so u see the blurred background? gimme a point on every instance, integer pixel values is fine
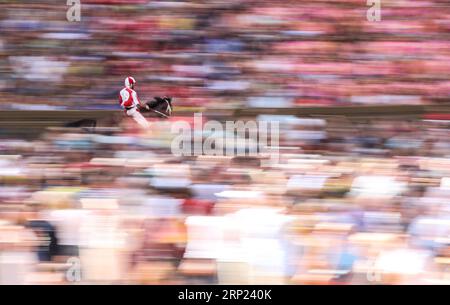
(361, 191)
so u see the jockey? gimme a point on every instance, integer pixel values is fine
(130, 102)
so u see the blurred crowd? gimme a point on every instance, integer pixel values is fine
(361, 201)
(224, 53)
(348, 202)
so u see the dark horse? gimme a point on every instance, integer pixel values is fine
(160, 106)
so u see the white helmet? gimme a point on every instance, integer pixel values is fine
(129, 81)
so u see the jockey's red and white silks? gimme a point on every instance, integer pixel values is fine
(128, 98)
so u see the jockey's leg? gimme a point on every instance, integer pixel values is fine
(139, 118)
